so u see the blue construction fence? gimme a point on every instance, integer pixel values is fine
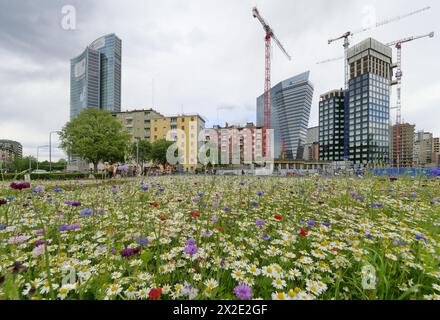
(412, 172)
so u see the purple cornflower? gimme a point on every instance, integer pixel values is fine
(3, 226)
(214, 219)
(242, 184)
(360, 198)
(143, 241)
(40, 242)
(38, 189)
(259, 222)
(260, 193)
(243, 292)
(203, 205)
(128, 252)
(191, 249)
(200, 194)
(57, 190)
(265, 237)
(377, 205)
(3, 202)
(327, 224)
(226, 209)
(112, 250)
(190, 242)
(196, 200)
(39, 232)
(353, 194)
(419, 236)
(413, 195)
(86, 212)
(254, 203)
(312, 223)
(368, 235)
(145, 188)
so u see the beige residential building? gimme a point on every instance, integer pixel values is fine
(184, 130)
(138, 122)
(423, 146)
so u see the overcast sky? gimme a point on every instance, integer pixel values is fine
(205, 56)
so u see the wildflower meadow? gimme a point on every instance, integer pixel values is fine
(212, 237)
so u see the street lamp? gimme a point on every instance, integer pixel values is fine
(50, 149)
(38, 151)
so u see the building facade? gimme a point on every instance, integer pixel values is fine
(436, 152)
(239, 145)
(423, 146)
(95, 76)
(406, 145)
(311, 147)
(10, 151)
(184, 130)
(332, 126)
(367, 112)
(138, 123)
(291, 101)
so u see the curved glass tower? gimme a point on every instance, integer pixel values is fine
(95, 76)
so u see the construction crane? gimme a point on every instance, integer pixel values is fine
(267, 70)
(349, 34)
(398, 82)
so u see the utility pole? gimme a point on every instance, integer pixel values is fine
(50, 149)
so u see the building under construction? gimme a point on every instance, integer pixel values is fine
(406, 145)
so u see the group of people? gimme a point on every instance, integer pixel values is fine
(123, 170)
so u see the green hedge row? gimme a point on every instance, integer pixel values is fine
(53, 176)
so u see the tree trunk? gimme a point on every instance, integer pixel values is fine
(95, 166)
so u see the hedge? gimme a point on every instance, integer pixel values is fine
(54, 176)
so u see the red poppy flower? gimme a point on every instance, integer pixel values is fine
(278, 217)
(154, 204)
(155, 294)
(194, 214)
(163, 218)
(219, 228)
(303, 232)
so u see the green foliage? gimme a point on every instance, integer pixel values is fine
(159, 151)
(144, 151)
(54, 176)
(95, 135)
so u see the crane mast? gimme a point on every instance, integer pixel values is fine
(398, 82)
(267, 70)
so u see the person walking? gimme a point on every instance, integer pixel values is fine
(110, 170)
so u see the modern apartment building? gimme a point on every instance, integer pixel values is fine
(291, 101)
(368, 110)
(406, 145)
(95, 76)
(184, 130)
(332, 126)
(10, 151)
(138, 122)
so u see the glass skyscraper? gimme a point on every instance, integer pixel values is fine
(291, 101)
(367, 111)
(95, 76)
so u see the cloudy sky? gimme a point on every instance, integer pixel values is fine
(205, 56)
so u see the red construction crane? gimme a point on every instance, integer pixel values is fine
(349, 34)
(267, 86)
(269, 35)
(398, 82)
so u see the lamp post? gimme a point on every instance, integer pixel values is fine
(38, 152)
(50, 149)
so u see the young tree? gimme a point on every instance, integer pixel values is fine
(159, 151)
(144, 151)
(95, 135)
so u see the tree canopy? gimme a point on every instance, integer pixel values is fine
(159, 151)
(95, 135)
(144, 151)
